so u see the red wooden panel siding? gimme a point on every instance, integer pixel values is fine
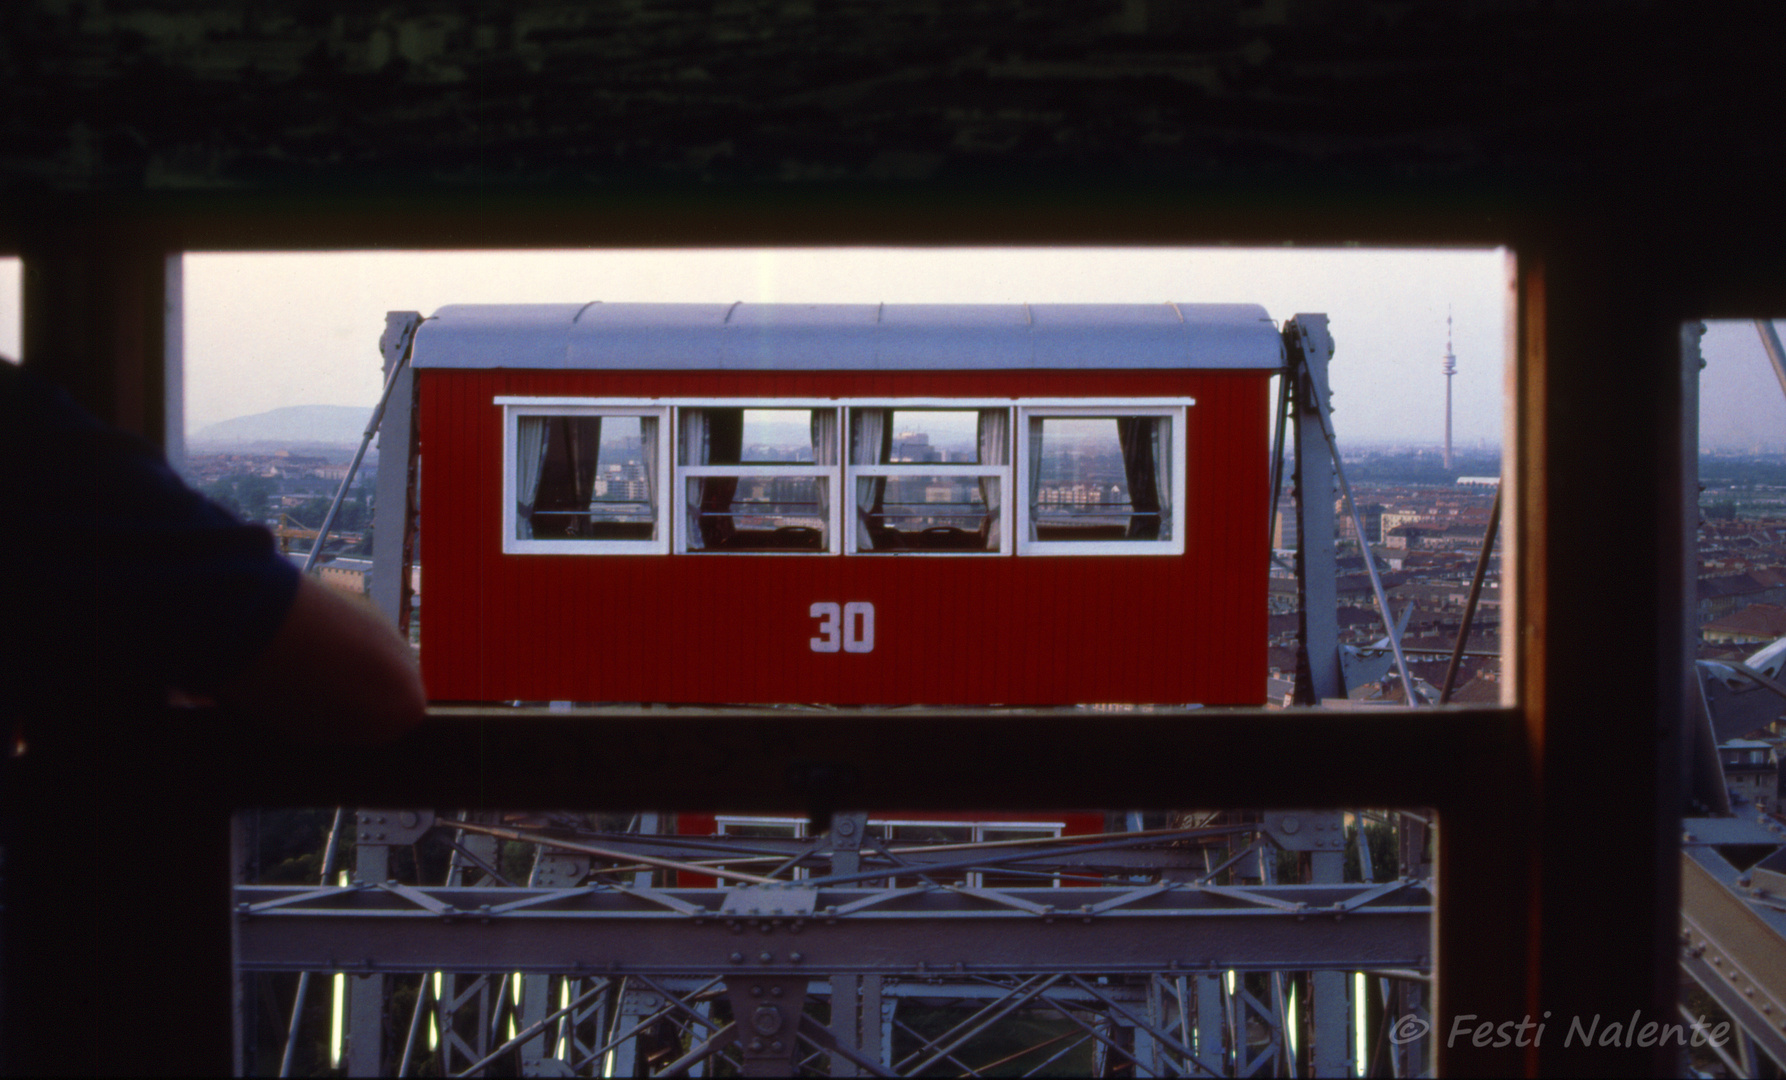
(949, 631)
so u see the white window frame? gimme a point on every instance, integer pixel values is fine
(684, 473)
(879, 827)
(513, 408)
(976, 834)
(796, 830)
(1003, 473)
(1014, 516)
(1174, 408)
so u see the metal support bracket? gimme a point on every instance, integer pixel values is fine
(396, 827)
(394, 508)
(1306, 830)
(1309, 346)
(767, 1010)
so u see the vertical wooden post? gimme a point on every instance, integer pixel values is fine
(1605, 699)
(116, 883)
(97, 305)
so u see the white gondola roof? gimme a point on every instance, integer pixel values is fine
(845, 337)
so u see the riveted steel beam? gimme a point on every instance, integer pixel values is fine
(1733, 944)
(837, 931)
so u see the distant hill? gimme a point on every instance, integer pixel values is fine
(294, 425)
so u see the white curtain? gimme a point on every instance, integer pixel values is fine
(648, 454)
(995, 439)
(696, 449)
(530, 460)
(867, 438)
(824, 452)
(1035, 473)
(1162, 472)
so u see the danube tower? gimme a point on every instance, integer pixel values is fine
(1450, 370)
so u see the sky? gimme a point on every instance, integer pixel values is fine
(269, 330)
(1741, 404)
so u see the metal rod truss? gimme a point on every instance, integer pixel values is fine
(1153, 952)
(790, 929)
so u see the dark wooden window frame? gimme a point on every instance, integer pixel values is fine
(1558, 858)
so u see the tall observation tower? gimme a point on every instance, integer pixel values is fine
(1450, 369)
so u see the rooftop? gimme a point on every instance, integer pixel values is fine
(885, 337)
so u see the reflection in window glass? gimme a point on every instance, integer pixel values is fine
(774, 436)
(935, 513)
(735, 504)
(758, 436)
(758, 513)
(902, 506)
(1106, 478)
(586, 478)
(590, 477)
(943, 435)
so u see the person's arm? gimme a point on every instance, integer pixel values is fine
(121, 587)
(333, 672)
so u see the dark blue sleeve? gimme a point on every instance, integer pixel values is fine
(117, 576)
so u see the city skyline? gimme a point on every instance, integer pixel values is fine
(1387, 307)
(264, 331)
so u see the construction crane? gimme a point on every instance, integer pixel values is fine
(290, 529)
